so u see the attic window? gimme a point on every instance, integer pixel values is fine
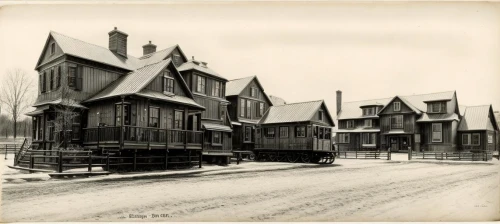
(321, 115)
(397, 106)
(168, 82)
(52, 48)
(177, 59)
(253, 92)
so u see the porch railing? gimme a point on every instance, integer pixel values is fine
(303, 143)
(136, 134)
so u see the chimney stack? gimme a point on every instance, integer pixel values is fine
(148, 48)
(118, 42)
(339, 101)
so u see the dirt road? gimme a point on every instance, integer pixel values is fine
(349, 190)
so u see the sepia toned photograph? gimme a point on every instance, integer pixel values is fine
(249, 111)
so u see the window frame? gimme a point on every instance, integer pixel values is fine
(150, 117)
(283, 133)
(478, 139)
(298, 130)
(248, 109)
(400, 124)
(370, 121)
(58, 76)
(351, 122)
(51, 79)
(52, 48)
(243, 110)
(214, 134)
(468, 137)
(127, 108)
(248, 130)
(342, 138)
(216, 88)
(168, 82)
(201, 84)
(321, 115)
(44, 82)
(440, 125)
(398, 108)
(72, 78)
(178, 122)
(267, 132)
(261, 109)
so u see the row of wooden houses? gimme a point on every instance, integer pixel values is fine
(104, 99)
(162, 102)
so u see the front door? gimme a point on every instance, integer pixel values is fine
(394, 144)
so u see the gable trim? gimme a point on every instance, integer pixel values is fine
(408, 104)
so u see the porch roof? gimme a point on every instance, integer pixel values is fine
(174, 98)
(37, 111)
(358, 130)
(217, 127)
(438, 117)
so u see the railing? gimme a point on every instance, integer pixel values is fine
(296, 144)
(144, 135)
(364, 155)
(22, 150)
(461, 156)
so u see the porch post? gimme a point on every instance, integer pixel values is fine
(43, 130)
(122, 122)
(147, 125)
(186, 116)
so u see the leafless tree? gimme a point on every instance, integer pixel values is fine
(65, 115)
(15, 95)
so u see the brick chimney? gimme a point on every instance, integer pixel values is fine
(118, 42)
(339, 101)
(148, 48)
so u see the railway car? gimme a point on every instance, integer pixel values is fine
(298, 132)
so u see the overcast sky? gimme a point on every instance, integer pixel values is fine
(299, 51)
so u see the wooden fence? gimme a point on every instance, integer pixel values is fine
(9, 149)
(66, 160)
(363, 155)
(460, 156)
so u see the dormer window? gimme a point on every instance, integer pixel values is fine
(436, 107)
(368, 123)
(350, 124)
(168, 82)
(397, 106)
(369, 111)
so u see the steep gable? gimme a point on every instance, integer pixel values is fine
(405, 107)
(242, 86)
(47, 55)
(296, 112)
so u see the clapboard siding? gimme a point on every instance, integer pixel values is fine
(212, 108)
(106, 112)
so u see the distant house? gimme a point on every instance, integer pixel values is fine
(158, 102)
(426, 122)
(249, 102)
(277, 100)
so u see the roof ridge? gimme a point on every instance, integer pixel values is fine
(427, 93)
(242, 78)
(150, 65)
(85, 42)
(150, 54)
(313, 101)
(399, 96)
(485, 105)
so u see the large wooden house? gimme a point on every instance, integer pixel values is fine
(158, 102)
(426, 122)
(249, 102)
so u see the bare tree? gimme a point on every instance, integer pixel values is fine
(15, 95)
(65, 115)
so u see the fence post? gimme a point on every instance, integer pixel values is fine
(200, 159)
(107, 162)
(90, 163)
(6, 151)
(32, 161)
(135, 159)
(98, 135)
(189, 155)
(60, 166)
(166, 159)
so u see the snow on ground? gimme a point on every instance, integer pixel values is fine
(348, 190)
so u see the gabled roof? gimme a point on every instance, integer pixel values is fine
(478, 118)
(196, 65)
(351, 110)
(408, 104)
(236, 86)
(277, 100)
(81, 49)
(294, 112)
(158, 56)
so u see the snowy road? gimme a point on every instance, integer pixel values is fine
(349, 190)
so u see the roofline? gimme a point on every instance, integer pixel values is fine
(400, 96)
(204, 73)
(404, 101)
(298, 103)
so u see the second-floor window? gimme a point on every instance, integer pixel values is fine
(368, 123)
(397, 121)
(261, 109)
(437, 132)
(320, 115)
(58, 77)
(200, 87)
(242, 107)
(168, 82)
(44, 82)
(249, 109)
(154, 116)
(178, 119)
(369, 111)
(350, 124)
(51, 81)
(75, 80)
(216, 89)
(397, 106)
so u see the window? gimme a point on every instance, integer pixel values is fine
(44, 82)
(154, 116)
(253, 92)
(51, 130)
(490, 139)
(201, 84)
(248, 134)
(437, 133)
(350, 124)
(261, 109)
(368, 123)
(369, 138)
(283, 132)
(397, 106)
(476, 139)
(368, 111)
(269, 132)
(168, 82)
(242, 107)
(72, 77)
(465, 139)
(178, 119)
(52, 48)
(249, 109)
(216, 137)
(51, 79)
(328, 134)
(300, 131)
(344, 138)
(437, 107)
(177, 59)
(320, 115)
(397, 121)
(58, 77)
(320, 131)
(216, 89)
(118, 114)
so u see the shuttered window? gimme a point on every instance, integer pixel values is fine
(437, 132)
(72, 77)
